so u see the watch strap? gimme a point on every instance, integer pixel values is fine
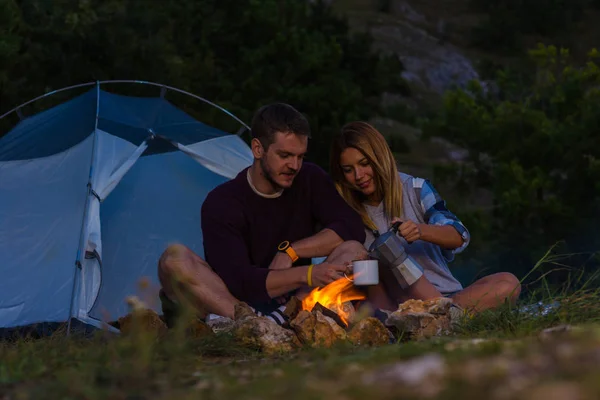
(287, 248)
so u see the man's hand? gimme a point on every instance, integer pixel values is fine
(409, 230)
(281, 261)
(325, 273)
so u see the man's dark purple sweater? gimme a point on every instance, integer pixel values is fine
(242, 229)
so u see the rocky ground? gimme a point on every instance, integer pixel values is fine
(559, 364)
(547, 351)
(432, 40)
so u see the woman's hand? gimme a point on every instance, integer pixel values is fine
(409, 230)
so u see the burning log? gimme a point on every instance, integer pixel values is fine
(337, 297)
(346, 309)
(329, 313)
(292, 308)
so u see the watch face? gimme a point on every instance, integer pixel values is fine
(284, 245)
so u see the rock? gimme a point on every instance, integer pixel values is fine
(261, 332)
(316, 329)
(423, 373)
(197, 329)
(327, 331)
(467, 344)
(419, 325)
(304, 326)
(192, 326)
(250, 330)
(142, 320)
(369, 332)
(438, 305)
(243, 311)
(422, 319)
(431, 63)
(264, 334)
(557, 391)
(555, 331)
(404, 9)
(221, 324)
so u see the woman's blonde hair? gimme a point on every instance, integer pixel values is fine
(371, 143)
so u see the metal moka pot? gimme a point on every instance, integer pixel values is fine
(389, 250)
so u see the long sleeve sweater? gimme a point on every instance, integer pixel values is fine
(242, 229)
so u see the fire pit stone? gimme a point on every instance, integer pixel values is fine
(261, 332)
(369, 332)
(422, 319)
(316, 329)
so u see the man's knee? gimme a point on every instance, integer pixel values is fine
(172, 260)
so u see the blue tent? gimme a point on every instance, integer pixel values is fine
(91, 192)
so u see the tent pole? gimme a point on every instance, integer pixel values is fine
(184, 92)
(163, 88)
(85, 209)
(46, 95)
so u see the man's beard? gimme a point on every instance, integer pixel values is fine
(268, 175)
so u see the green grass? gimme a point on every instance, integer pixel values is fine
(512, 358)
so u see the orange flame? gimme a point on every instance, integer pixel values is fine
(333, 296)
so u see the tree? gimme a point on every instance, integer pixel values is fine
(506, 22)
(238, 53)
(537, 149)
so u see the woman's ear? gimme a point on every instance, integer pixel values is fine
(257, 148)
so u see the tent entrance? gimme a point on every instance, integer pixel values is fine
(155, 204)
(93, 190)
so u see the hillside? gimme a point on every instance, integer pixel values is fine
(436, 42)
(430, 39)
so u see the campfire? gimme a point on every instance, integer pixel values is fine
(323, 318)
(327, 316)
(336, 297)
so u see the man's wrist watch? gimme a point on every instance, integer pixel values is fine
(287, 248)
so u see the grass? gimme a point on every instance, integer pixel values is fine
(494, 354)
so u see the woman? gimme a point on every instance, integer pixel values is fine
(365, 173)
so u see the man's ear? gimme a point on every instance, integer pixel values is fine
(257, 148)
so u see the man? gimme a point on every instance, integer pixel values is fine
(261, 228)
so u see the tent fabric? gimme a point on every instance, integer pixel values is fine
(51, 131)
(41, 211)
(130, 118)
(221, 155)
(113, 158)
(88, 204)
(157, 203)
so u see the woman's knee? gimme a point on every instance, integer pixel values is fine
(354, 248)
(508, 285)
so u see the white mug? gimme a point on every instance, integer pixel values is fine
(365, 272)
